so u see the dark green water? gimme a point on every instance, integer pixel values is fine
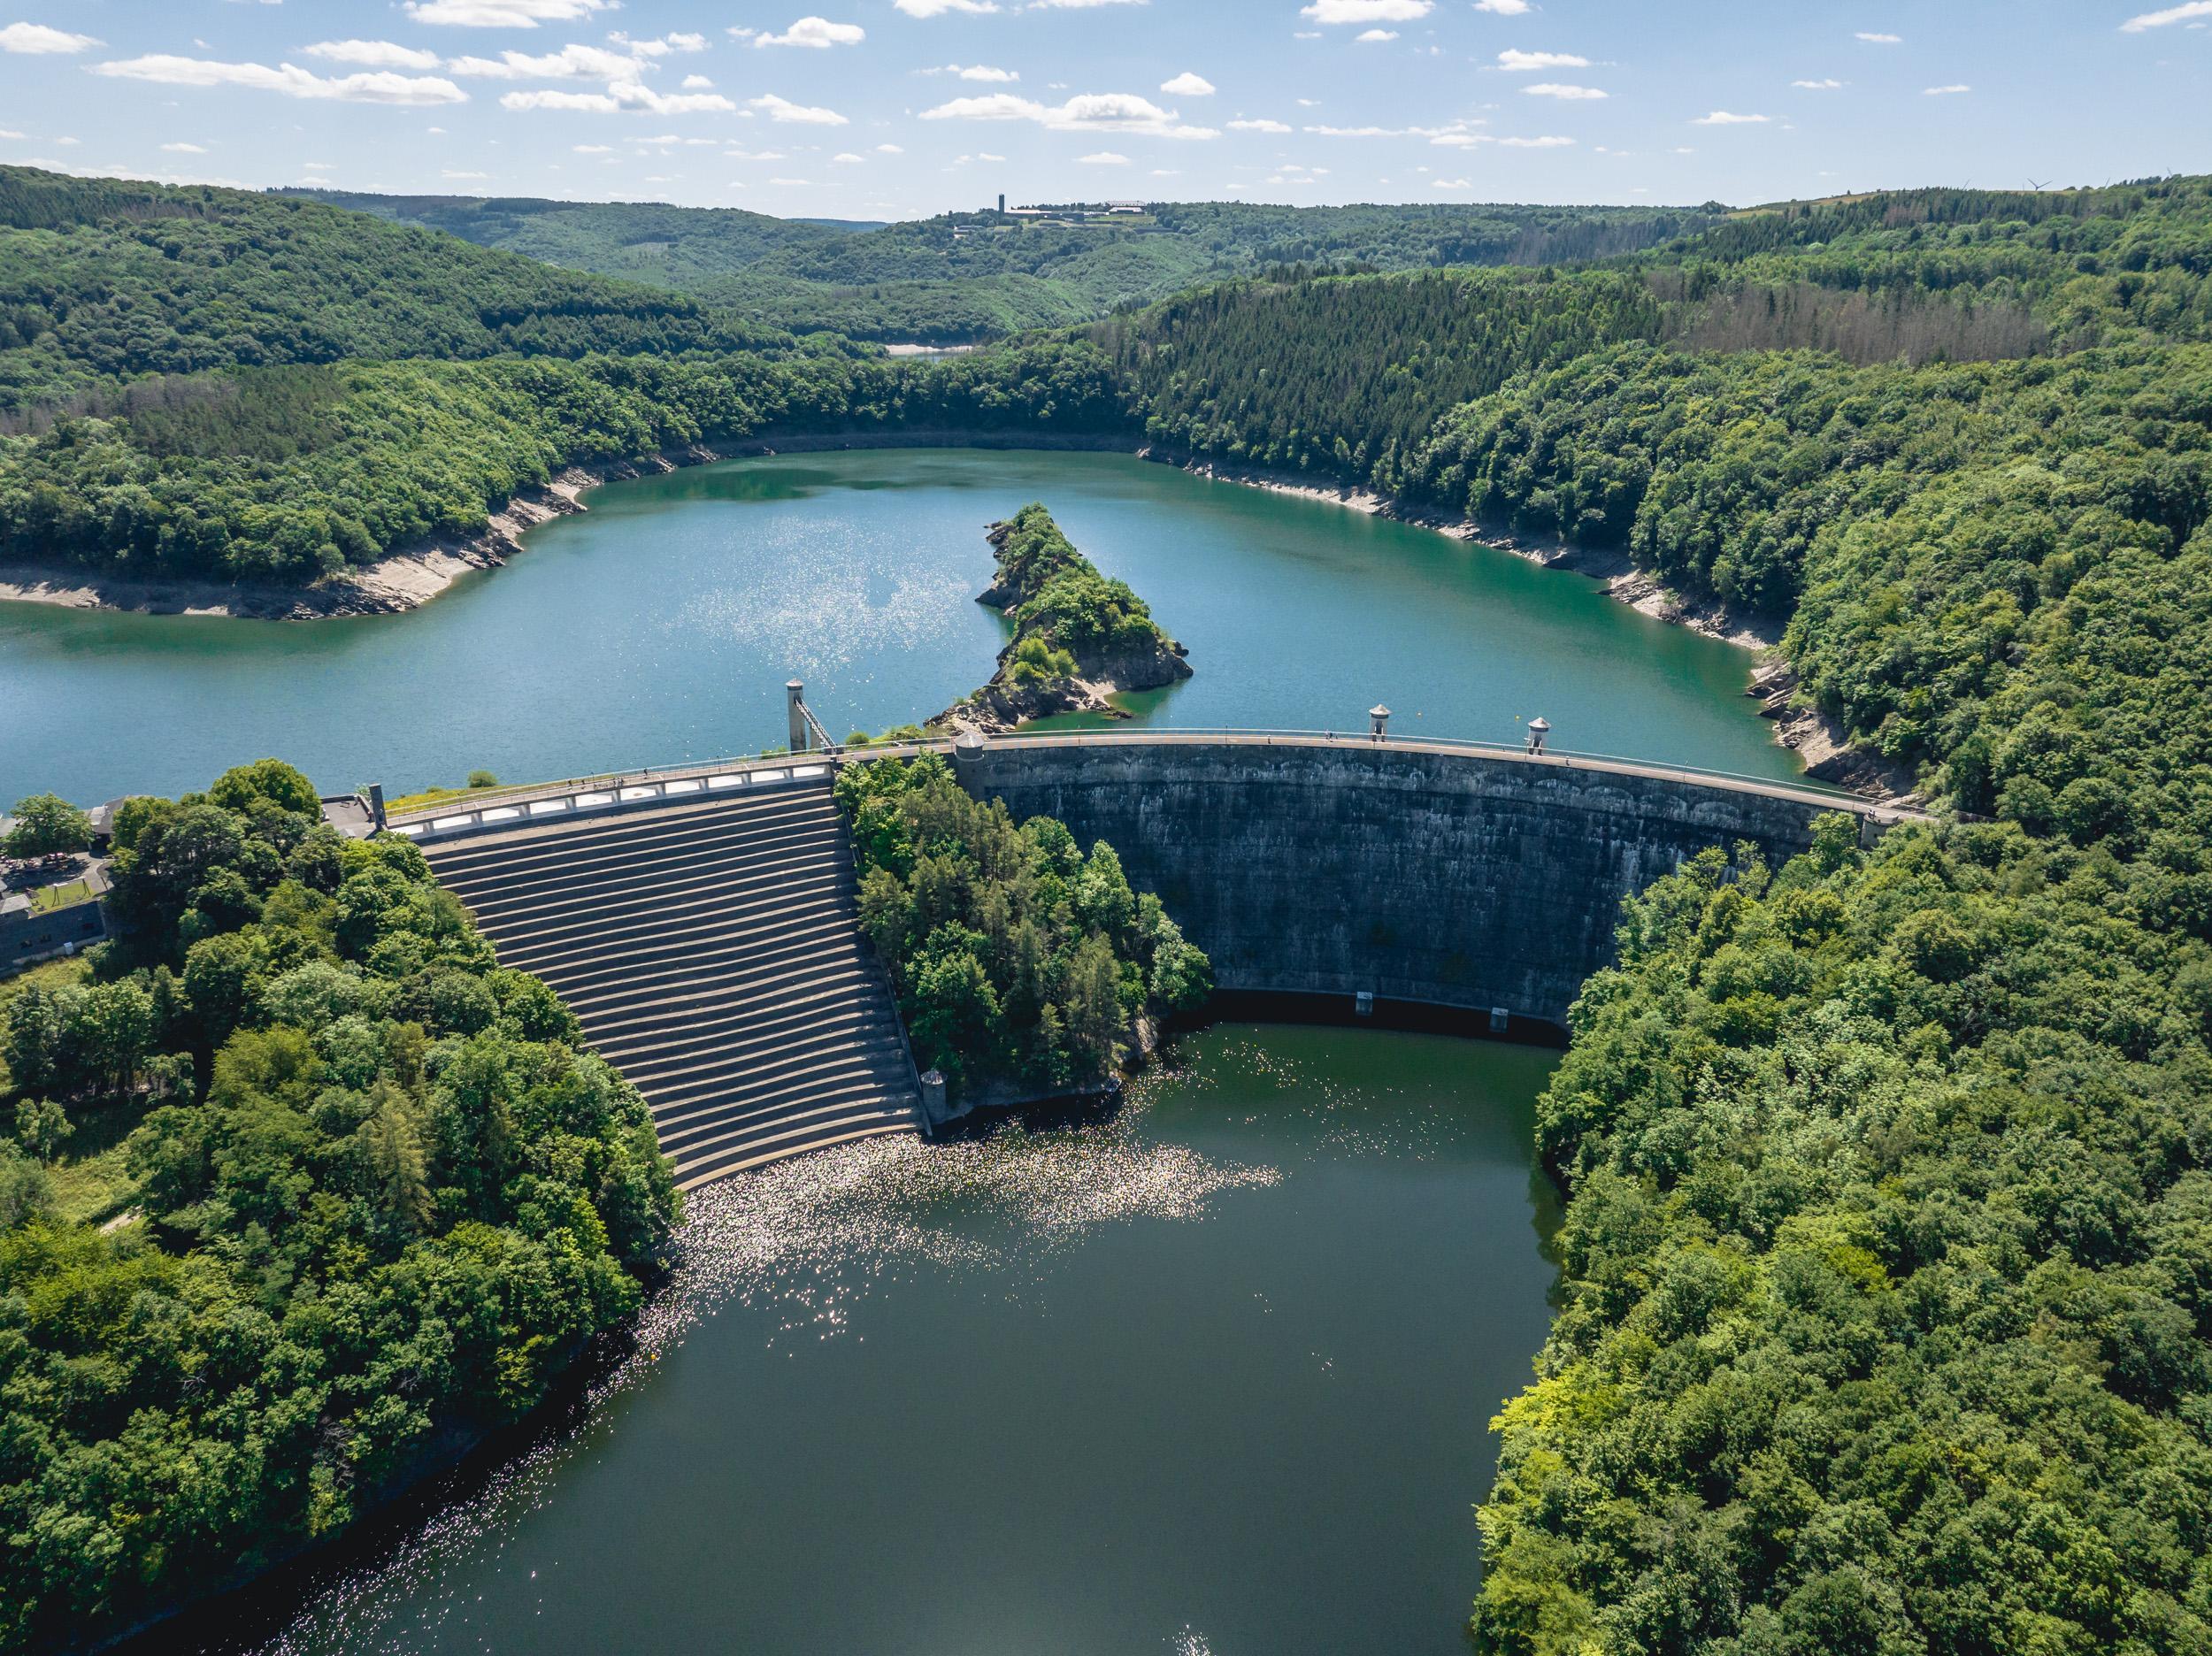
(660, 627)
(1210, 1376)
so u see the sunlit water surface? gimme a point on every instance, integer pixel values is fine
(1210, 1375)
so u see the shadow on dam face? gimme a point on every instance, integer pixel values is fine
(1313, 871)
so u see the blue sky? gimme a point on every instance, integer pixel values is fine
(899, 108)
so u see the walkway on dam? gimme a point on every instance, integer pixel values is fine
(711, 949)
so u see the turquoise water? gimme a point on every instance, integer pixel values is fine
(660, 627)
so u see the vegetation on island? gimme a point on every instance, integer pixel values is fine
(301, 1190)
(1078, 635)
(1017, 958)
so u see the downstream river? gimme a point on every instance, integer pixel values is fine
(660, 627)
(1209, 1377)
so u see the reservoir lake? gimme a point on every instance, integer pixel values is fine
(660, 626)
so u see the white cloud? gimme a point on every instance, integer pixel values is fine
(697, 84)
(38, 39)
(9, 135)
(818, 33)
(183, 149)
(1086, 111)
(503, 13)
(631, 95)
(1078, 5)
(1366, 11)
(1554, 90)
(571, 63)
(662, 47)
(890, 148)
(973, 71)
(1828, 85)
(1259, 126)
(463, 175)
(847, 158)
(1188, 85)
(1881, 40)
(1359, 132)
(938, 8)
(590, 102)
(1103, 157)
(1450, 183)
(1376, 35)
(1549, 142)
(1503, 8)
(592, 149)
(1943, 91)
(784, 109)
(1722, 117)
(291, 81)
(1527, 62)
(372, 54)
(2171, 14)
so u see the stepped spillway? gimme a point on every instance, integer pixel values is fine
(712, 952)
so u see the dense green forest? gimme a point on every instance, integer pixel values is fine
(1885, 1325)
(964, 276)
(100, 279)
(1017, 958)
(1888, 1267)
(302, 1188)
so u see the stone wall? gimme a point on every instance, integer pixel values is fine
(1454, 879)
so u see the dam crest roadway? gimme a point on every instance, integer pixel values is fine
(702, 921)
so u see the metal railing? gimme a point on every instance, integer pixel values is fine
(508, 806)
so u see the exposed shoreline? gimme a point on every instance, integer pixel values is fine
(1623, 581)
(1825, 747)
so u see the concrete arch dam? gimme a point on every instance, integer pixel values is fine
(704, 923)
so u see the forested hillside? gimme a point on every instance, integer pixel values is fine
(289, 474)
(100, 279)
(962, 276)
(304, 1188)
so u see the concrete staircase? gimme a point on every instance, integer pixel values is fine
(713, 955)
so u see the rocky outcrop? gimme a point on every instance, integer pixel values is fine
(1821, 743)
(1149, 659)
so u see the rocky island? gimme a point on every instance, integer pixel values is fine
(1078, 636)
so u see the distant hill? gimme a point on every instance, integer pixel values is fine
(106, 278)
(967, 275)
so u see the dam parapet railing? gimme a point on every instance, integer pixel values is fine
(499, 810)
